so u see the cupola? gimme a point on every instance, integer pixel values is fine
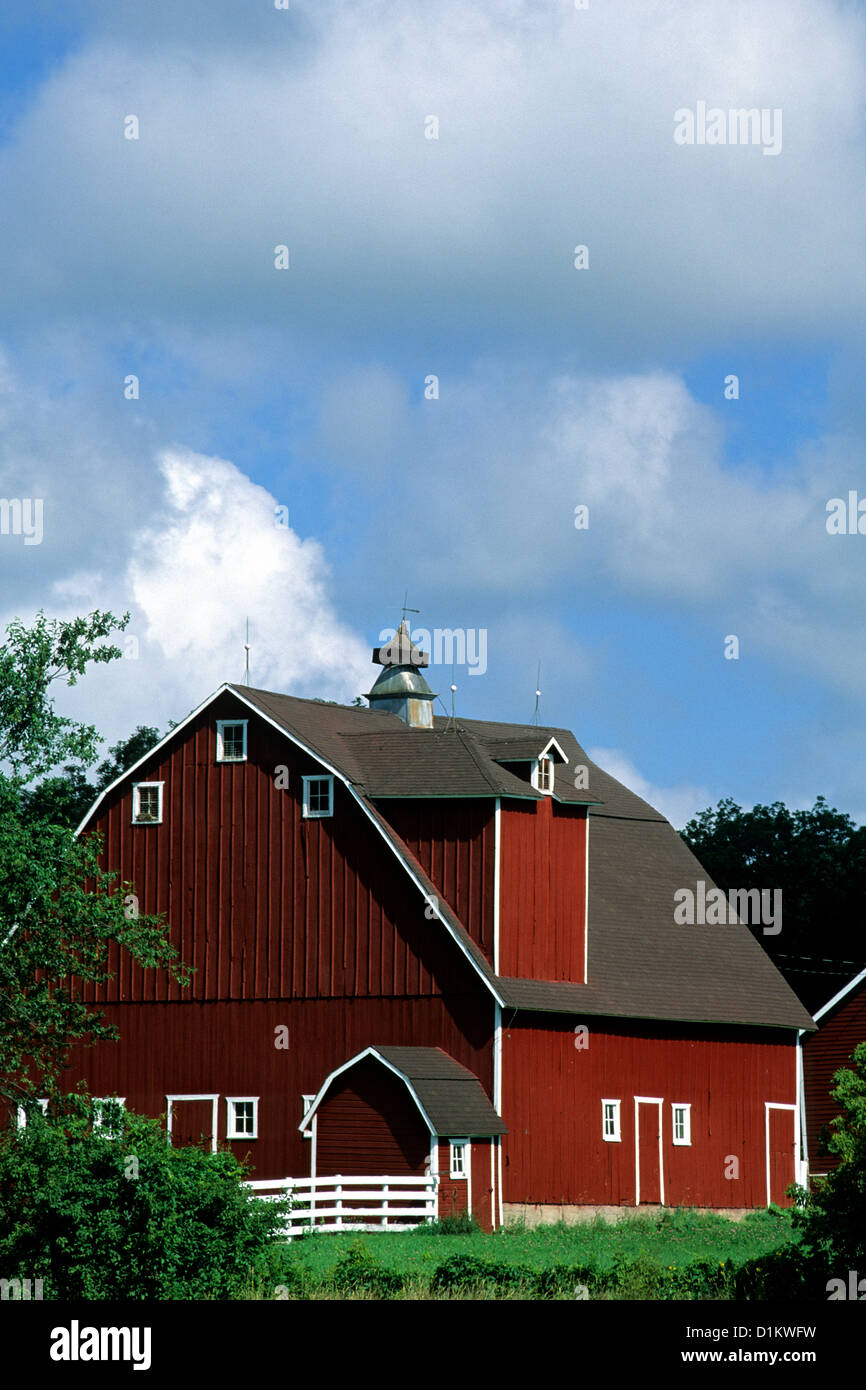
(401, 688)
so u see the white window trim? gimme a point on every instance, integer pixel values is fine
(686, 1107)
(536, 774)
(99, 1124)
(42, 1102)
(308, 1101)
(220, 755)
(136, 806)
(464, 1147)
(318, 815)
(212, 1096)
(231, 1117)
(616, 1137)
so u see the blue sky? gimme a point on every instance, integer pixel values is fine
(410, 257)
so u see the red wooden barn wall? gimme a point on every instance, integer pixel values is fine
(369, 1124)
(455, 1196)
(552, 1094)
(824, 1053)
(453, 1192)
(264, 903)
(228, 1048)
(543, 890)
(454, 840)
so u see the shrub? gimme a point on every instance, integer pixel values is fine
(831, 1221)
(462, 1225)
(787, 1274)
(359, 1272)
(470, 1271)
(120, 1214)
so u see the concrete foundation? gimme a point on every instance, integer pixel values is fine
(544, 1214)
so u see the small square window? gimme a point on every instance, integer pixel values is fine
(682, 1115)
(243, 1117)
(459, 1158)
(231, 740)
(610, 1121)
(147, 803)
(318, 796)
(106, 1115)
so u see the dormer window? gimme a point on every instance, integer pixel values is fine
(231, 740)
(147, 803)
(542, 774)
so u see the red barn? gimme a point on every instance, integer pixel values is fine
(442, 957)
(841, 1026)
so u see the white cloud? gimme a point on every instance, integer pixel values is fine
(556, 127)
(219, 556)
(677, 804)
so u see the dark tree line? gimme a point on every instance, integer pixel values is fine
(818, 860)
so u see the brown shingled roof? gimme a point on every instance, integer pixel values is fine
(452, 1096)
(641, 963)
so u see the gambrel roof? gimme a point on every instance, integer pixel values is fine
(449, 1096)
(642, 964)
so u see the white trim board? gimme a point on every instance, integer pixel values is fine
(648, 1100)
(213, 1097)
(777, 1105)
(353, 1061)
(831, 1003)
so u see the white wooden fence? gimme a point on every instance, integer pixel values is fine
(381, 1203)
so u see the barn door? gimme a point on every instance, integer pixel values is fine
(193, 1120)
(781, 1143)
(649, 1183)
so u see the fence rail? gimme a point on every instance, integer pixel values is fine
(340, 1203)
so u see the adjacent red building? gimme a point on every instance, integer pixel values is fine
(438, 949)
(841, 1026)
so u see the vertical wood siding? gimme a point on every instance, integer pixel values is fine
(228, 1048)
(824, 1053)
(369, 1123)
(455, 842)
(263, 903)
(552, 1094)
(543, 890)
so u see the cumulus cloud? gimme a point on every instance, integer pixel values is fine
(220, 554)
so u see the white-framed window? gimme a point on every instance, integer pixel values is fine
(459, 1158)
(542, 773)
(610, 1121)
(147, 803)
(106, 1114)
(21, 1117)
(308, 1100)
(318, 796)
(231, 737)
(242, 1120)
(682, 1123)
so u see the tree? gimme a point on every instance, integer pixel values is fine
(65, 799)
(115, 1212)
(832, 1219)
(60, 911)
(818, 860)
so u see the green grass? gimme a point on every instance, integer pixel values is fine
(356, 1264)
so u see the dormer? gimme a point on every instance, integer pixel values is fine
(533, 759)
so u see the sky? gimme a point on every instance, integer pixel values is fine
(307, 309)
